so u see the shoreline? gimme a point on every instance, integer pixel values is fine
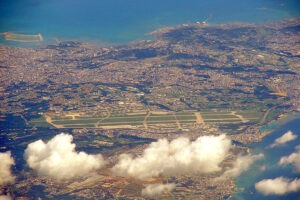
(150, 36)
(258, 136)
(279, 122)
(244, 185)
(174, 73)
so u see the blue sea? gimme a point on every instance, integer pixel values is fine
(123, 21)
(270, 162)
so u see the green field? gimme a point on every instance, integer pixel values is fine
(148, 120)
(79, 121)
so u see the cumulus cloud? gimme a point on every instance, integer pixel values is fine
(157, 189)
(287, 137)
(293, 158)
(241, 164)
(58, 159)
(6, 161)
(277, 186)
(176, 157)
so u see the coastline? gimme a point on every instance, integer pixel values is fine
(94, 79)
(245, 182)
(42, 39)
(273, 124)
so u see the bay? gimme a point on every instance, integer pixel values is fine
(123, 21)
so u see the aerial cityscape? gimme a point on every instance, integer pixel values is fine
(197, 110)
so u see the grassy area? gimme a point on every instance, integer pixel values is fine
(219, 117)
(39, 122)
(161, 122)
(215, 112)
(161, 115)
(187, 117)
(60, 118)
(163, 118)
(222, 121)
(185, 113)
(128, 115)
(254, 120)
(124, 119)
(79, 125)
(88, 117)
(88, 121)
(121, 123)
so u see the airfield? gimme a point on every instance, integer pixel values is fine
(149, 119)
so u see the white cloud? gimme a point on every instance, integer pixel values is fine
(157, 189)
(287, 137)
(58, 159)
(277, 186)
(179, 156)
(241, 164)
(6, 161)
(5, 197)
(293, 158)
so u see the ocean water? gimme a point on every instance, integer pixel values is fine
(270, 163)
(123, 21)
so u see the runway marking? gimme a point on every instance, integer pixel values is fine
(107, 117)
(49, 121)
(145, 120)
(240, 117)
(199, 118)
(177, 121)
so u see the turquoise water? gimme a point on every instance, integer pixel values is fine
(122, 21)
(272, 169)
